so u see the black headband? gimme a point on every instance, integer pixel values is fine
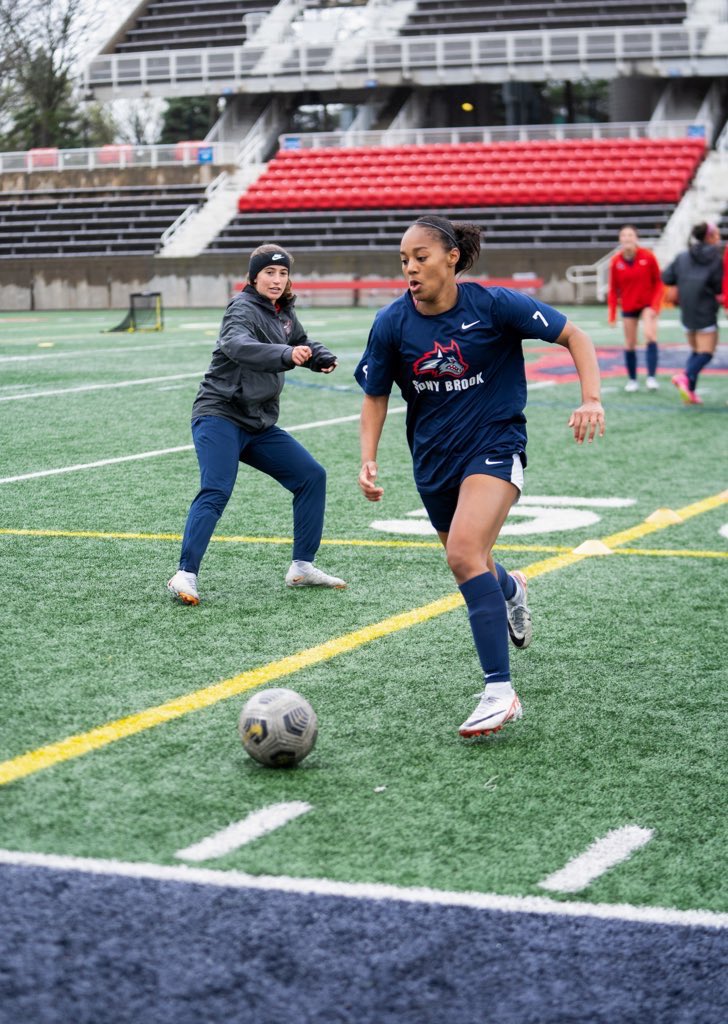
(444, 231)
(276, 258)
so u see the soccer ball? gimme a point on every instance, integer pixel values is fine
(278, 727)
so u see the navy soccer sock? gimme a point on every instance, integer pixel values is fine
(695, 364)
(506, 582)
(489, 623)
(651, 358)
(630, 361)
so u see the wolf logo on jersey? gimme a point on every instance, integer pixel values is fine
(442, 361)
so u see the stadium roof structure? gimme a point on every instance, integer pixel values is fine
(276, 58)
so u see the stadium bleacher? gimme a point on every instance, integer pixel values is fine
(478, 175)
(460, 16)
(120, 220)
(181, 24)
(507, 227)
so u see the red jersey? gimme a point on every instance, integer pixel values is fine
(634, 284)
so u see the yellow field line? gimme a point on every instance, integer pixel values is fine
(672, 552)
(76, 746)
(351, 542)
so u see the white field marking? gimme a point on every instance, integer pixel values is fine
(182, 873)
(120, 350)
(613, 848)
(257, 824)
(544, 514)
(97, 387)
(561, 500)
(163, 451)
(538, 520)
(724, 531)
(94, 465)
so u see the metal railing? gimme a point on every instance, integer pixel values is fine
(498, 133)
(215, 185)
(491, 56)
(120, 155)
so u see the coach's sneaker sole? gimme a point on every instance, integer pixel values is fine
(520, 628)
(183, 586)
(491, 714)
(310, 576)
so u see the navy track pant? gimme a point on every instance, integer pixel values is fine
(221, 445)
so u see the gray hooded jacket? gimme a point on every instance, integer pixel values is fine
(245, 377)
(698, 275)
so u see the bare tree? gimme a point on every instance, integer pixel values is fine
(41, 42)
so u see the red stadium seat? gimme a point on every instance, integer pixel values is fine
(42, 157)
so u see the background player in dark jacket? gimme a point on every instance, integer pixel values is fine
(454, 350)
(634, 283)
(234, 420)
(697, 274)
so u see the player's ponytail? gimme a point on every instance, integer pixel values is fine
(461, 235)
(699, 233)
(468, 236)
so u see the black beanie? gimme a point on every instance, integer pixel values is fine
(277, 258)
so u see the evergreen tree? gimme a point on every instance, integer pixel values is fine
(188, 118)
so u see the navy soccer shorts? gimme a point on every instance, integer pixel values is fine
(440, 507)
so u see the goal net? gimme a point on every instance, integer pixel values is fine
(145, 313)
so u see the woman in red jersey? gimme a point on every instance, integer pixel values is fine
(635, 285)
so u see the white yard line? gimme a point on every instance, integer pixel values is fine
(165, 451)
(257, 824)
(120, 350)
(612, 849)
(94, 465)
(364, 891)
(97, 387)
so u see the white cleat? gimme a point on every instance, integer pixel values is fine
(652, 384)
(631, 385)
(310, 576)
(183, 586)
(520, 628)
(491, 714)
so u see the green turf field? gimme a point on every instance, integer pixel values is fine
(623, 687)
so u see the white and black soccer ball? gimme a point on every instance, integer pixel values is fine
(278, 727)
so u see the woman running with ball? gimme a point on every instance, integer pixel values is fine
(454, 350)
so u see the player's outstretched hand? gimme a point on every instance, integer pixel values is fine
(367, 477)
(587, 421)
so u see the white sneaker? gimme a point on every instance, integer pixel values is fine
(652, 383)
(519, 616)
(310, 576)
(491, 714)
(631, 385)
(183, 585)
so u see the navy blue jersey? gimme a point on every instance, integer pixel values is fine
(461, 373)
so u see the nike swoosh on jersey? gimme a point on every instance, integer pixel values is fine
(491, 462)
(465, 327)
